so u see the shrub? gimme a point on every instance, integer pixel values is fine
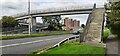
(106, 34)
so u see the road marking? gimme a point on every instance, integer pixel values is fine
(29, 42)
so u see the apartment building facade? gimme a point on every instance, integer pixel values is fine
(71, 24)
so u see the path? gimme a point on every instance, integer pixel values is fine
(112, 46)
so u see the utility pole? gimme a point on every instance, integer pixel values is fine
(29, 17)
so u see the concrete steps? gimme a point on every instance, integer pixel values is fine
(95, 27)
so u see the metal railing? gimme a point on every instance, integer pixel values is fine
(102, 30)
(67, 39)
(65, 8)
(61, 42)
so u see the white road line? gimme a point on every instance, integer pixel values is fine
(29, 42)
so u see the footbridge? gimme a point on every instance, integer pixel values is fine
(67, 10)
(94, 26)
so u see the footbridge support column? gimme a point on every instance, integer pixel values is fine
(33, 25)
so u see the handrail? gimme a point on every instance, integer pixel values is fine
(102, 30)
(76, 7)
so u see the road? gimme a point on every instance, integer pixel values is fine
(27, 45)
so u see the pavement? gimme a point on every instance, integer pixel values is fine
(94, 43)
(113, 46)
(27, 45)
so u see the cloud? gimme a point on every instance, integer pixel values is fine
(17, 6)
(11, 7)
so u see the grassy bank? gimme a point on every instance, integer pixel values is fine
(74, 49)
(77, 49)
(106, 33)
(34, 35)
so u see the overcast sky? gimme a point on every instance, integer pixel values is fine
(11, 7)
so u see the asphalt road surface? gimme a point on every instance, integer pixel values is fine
(27, 45)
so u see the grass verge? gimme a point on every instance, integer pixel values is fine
(106, 34)
(73, 49)
(34, 35)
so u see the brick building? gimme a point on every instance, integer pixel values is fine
(71, 24)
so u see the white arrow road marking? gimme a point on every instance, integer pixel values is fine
(29, 42)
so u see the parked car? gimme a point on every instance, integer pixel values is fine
(76, 32)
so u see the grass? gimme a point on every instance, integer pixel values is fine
(34, 35)
(106, 33)
(74, 49)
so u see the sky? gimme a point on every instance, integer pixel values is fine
(12, 7)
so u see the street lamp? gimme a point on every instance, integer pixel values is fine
(29, 16)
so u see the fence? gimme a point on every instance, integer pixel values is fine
(13, 30)
(21, 30)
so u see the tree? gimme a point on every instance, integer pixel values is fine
(115, 6)
(52, 22)
(113, 18)
(83, 26)
(107, 6)
(8, 21)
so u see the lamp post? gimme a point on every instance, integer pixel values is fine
(29, 17)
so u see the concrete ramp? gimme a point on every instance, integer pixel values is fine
(95, 29)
